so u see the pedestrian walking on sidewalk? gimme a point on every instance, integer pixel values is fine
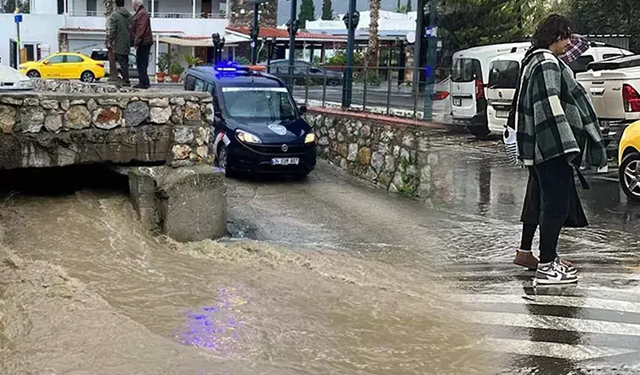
(557, 129)
(119, 39)
(142, 39)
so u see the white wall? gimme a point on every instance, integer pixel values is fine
(44, 7)
(35, 29)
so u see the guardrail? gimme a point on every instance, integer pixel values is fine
(381, 90)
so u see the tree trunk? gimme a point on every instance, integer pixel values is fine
(373, 50)
(109, 6)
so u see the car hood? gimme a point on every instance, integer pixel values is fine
(287, 131)
(10, 75)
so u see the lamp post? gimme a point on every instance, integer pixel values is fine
(351, 21)
(431, 33)
(292, 26)
(270, 44)
(255, 32)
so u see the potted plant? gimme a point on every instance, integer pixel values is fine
(175, 70)
(164, 61)
(192, 60)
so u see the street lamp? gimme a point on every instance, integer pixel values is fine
(351, 21)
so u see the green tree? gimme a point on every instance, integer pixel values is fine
(606, 17)
(307, 13)
(327, 10)
(409, 7)
(9, 6)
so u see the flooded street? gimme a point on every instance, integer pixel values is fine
(325, 276)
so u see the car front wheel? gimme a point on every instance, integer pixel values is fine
(629, 173)
(33, 74)
(222, 160)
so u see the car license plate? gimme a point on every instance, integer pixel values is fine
(502, 114)
(285, 161)
(457, 102)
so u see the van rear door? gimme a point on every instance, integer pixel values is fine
(466, 80)
(503, 81)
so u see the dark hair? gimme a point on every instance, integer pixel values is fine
(554, 28)
(119, 3)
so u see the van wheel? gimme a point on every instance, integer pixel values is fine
(629, 174)
(222, 160)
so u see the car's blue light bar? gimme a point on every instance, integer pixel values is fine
(232, 67)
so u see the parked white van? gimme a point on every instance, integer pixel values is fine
(503, 79)
(469, 76)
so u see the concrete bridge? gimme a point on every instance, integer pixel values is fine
(162, 136)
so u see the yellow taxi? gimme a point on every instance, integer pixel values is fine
(65, 66)
(629, 159)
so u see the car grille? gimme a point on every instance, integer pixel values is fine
(278, 149)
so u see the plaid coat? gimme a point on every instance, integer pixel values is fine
(554, 115)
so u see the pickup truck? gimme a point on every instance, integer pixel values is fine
(614, 85)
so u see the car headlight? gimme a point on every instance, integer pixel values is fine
(247, 137)
(310, 138)
(25, 85)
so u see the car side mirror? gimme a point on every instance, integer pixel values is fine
(302, 109)
(46, 62)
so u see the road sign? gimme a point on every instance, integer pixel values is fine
(431, 32)
(17, 18)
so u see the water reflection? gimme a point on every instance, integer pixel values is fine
(218, 327)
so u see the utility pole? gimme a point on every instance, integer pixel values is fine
(351, 20)
(292, 26)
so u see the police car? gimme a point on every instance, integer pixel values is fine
(257, 126)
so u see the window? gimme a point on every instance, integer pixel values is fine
(580, 64)
(190, 83)
(466, 70)
(504, 75)
(100, 55)
(58, 59)
(200, 86)
(92, 8)
(611, 56)
(74, 59)
(267, 103)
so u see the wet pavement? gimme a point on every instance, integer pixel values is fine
(468, 232)
(325, 276)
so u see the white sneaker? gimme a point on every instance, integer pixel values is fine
(553, 273)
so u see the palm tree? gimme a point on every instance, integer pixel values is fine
(373, 50)
(110, 7)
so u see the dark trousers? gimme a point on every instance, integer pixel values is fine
(556, 181)
(123, 61)
(142, 60)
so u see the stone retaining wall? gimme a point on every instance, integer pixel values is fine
(105, 124)
(393, 155)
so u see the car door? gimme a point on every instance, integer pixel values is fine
(51, 67)
(73, 67)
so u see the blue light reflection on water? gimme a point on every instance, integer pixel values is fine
(217, 327)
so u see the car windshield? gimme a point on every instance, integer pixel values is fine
(504, 74)
(268, 103)
(466, 70)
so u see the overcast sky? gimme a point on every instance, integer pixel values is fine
(339, 6)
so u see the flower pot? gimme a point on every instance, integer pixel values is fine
(160, 77)
(175, 78)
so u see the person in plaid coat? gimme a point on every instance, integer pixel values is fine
(557, 129)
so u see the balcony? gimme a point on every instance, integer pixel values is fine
(172, 9)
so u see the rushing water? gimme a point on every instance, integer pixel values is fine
(85, 290)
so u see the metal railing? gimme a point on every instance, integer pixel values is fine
(173, 15)
(381, 90)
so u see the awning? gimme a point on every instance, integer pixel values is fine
(203, 42)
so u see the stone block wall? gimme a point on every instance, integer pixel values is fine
(393, 156)
(81, 124)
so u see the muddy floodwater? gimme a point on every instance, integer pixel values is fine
(85, 290)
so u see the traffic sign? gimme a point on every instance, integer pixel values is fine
(17, 18)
